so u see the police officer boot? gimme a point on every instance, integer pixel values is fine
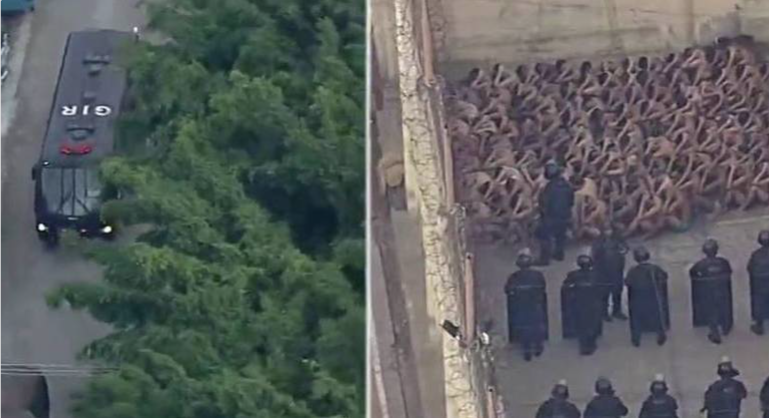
(636, 340)
(617, 312)
(559, 253)
(527, 350)
(661, 338)
(592, 346)
(539, 349)
(606, 316)
(714, 336)
(583, 346)
(758, 327)
(545, 250)
(587, 346)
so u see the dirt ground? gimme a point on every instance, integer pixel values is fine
(688, 360)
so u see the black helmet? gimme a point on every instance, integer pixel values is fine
(584, 261)
(524, 261)
(560, 390)
(658, 386)
(552, 170)
(603, 386)
(726, 369)
(641, 254)
(763, 238)
(710, 247)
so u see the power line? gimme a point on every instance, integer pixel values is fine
(47, 365)
(32, 369)
(50, 374)
(32, 366)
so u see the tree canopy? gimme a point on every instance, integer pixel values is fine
(243, 149)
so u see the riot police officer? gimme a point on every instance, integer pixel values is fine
(764, 398)
(723, 399)
(758, 271)
(648, 300)
(659, 404)
(558, 406)
(555, 204)
(605, 404)
(608, 253)
(711, 280)
(527, 307)
(581, 310)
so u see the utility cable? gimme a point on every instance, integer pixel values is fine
(31, 369)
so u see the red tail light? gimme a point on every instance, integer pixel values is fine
(75, 150)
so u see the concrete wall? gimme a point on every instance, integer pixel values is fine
(428, 198)
(514, 31)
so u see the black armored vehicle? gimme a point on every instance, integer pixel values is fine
(89, 95)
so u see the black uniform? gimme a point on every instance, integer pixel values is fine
(555, 202)
(558, 408)
(712, 295)
(648, 301)
(659, 406)
(527, 310)
(609, 257)
(582, 309)
(764, 397)
(723, 399)
(758, 270)
(605, 406)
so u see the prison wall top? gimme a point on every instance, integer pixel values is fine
(484, 32)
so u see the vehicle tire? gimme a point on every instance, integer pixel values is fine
(51, 240)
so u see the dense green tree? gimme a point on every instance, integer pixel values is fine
(282, 83)
(243, 150)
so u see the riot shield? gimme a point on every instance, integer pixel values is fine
(569, 304)
(575, 300)
(664, 304)
(519, 304)
(647, 306)
(712, 293)
(757, 298)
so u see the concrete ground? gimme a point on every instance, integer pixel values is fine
(688, 360)
(31, 332)
(425, 338)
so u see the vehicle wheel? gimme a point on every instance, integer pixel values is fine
(51, 240)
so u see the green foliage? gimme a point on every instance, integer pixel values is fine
(244, 153)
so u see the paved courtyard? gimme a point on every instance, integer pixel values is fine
(688, 360)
